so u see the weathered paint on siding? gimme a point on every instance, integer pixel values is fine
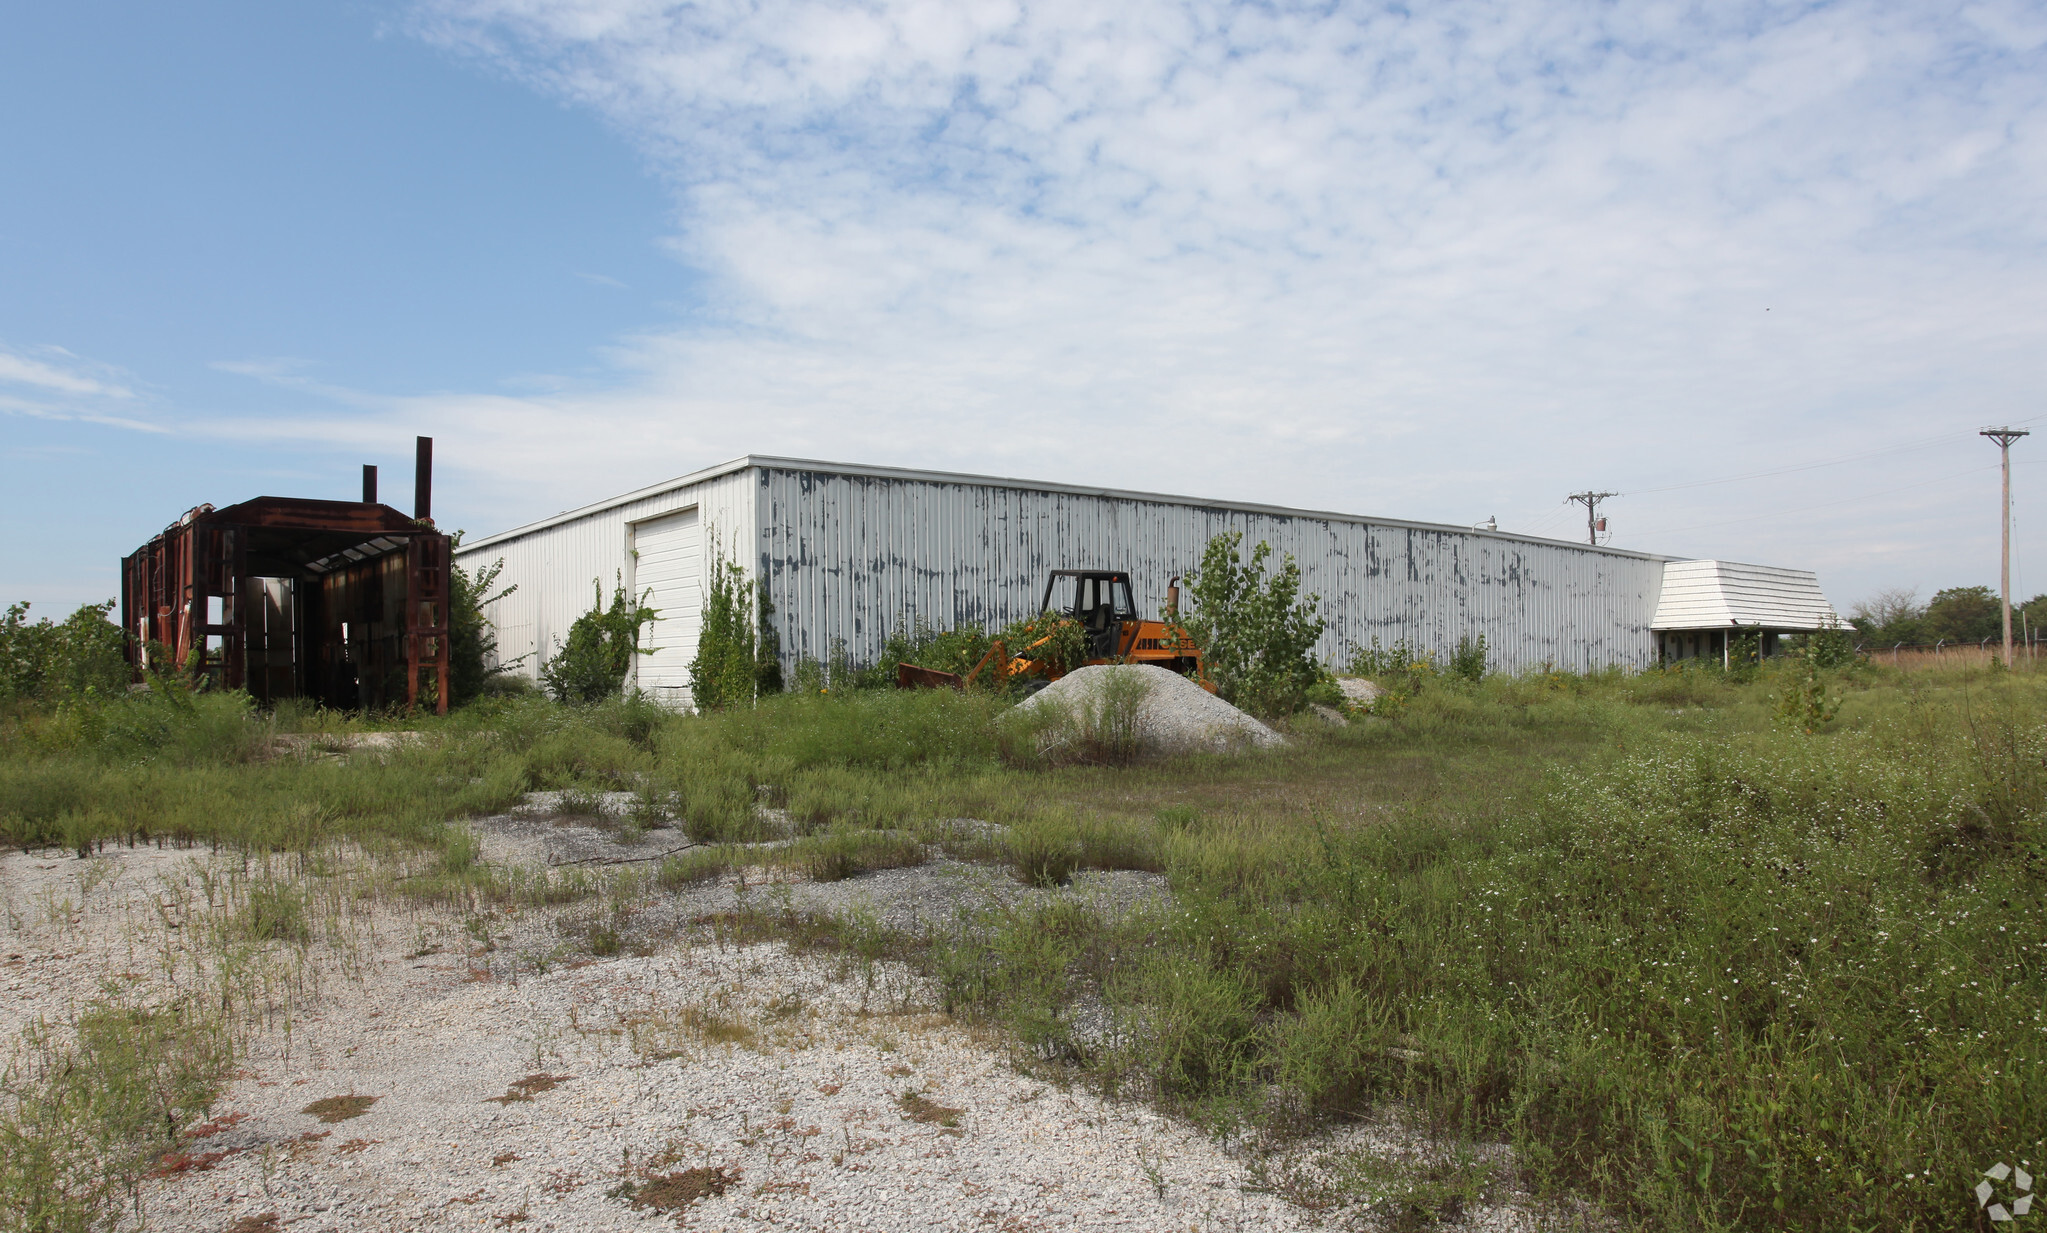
(851, 555)
(852, 552)
(554, 563)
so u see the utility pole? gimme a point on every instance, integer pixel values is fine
(2004, 437)
(1591, 500)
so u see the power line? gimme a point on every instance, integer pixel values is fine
(1542, 523)
(1868, 496)
(1808, 466)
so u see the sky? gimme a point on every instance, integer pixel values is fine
(1762, 269)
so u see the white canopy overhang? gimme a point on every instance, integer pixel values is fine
(1726, 594)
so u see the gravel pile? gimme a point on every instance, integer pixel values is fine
(1176, 716)
(1358, 691)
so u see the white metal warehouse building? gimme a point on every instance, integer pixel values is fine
(853, 552)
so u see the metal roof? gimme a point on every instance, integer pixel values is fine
(1720, 594)
(996, 481)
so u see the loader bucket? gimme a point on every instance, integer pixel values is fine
(910, 676)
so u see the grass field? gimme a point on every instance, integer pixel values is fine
(1700, 968)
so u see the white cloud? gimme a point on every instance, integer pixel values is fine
(50, 383)
(54, 370)
(1438, 263)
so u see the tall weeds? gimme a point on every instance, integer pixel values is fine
(84, 1107)
(1715, 974)
(1739, 981)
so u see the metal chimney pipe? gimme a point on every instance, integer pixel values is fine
(423, 481)
(369, 484)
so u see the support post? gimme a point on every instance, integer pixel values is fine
(1591, 500)
(423, 480)
(2004, 437)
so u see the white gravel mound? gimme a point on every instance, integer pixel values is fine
(1174, 715)
(1357, 690)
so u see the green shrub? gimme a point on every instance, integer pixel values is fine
(1102, 726)
(727, 669)
(1830, 646)
(1375, 661)
(170, 722)
(716, 806)
(1744, 655)
(1468, 662)
(1044, 851)
(767, 649)
(848, 853)
(45, 661)
(1056, 644)
(955, 651)
(1196, 1027)
(85, 1111)
(1803, 704)
(1257, 635)
(1331, 1051)
(582, 757)
(275, 912)
(472, 640)
(1020, 972)
(1401, 671)
(593, 665)
(632, 716)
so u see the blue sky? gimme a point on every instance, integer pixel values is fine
(1439, 263)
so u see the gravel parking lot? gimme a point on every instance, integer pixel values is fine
(443, 1072)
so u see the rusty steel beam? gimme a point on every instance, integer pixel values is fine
(426, 613)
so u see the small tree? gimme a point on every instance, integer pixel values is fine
(472, 639)
(45, 661)
(767, 675)
(727, 668)
(592, 666)
(1744, 653)
(1804, 705)
(1257, 634)
(1830, 646)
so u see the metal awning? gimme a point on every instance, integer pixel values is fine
(1725, 594)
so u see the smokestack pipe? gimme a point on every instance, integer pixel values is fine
(369, 484)
(423, 481)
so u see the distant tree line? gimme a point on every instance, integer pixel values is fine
(1958, 614)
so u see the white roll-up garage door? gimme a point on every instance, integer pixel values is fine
(669, 562)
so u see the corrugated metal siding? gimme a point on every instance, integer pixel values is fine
(555, 564)
(850, 555)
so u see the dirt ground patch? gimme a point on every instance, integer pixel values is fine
(490, 1079)
(671, 1192)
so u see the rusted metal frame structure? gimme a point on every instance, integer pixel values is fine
(427, 633)
(306, 581)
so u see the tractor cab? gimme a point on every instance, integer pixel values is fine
(1098, 599)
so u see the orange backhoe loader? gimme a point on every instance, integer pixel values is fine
(1102, 612)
